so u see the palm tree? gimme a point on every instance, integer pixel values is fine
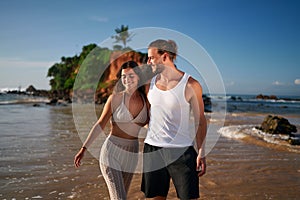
(123, 35)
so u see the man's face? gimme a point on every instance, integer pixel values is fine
(155, 60)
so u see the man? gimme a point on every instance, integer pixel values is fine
(168, 149)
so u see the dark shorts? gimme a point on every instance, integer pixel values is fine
(161, 164)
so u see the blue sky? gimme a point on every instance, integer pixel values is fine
(254, 43)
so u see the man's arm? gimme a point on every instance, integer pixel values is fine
(194, 95)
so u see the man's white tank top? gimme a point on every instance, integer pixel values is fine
(169, 124)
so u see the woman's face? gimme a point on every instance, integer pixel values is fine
(129, 79)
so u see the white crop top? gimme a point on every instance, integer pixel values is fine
(169, 116)
(122, 114)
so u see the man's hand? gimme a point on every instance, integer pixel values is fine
(201, 165)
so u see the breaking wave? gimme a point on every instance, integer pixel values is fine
(251, 134)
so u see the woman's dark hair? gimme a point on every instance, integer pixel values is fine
(135, 67)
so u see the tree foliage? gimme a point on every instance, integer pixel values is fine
(91, 63)
(122, 35)
(92, 68)
(91, 59)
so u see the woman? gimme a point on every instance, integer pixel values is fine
(127, 108)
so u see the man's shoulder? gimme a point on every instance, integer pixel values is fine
(193, 82)
(193, 88)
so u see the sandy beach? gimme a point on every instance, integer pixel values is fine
(236, 170)
(37, 160)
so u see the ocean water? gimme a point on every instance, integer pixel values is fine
(245, 113)
(39, 141)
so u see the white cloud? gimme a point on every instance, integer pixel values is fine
(277, 83)
(231, 83)
(297, 81)
(99, 19)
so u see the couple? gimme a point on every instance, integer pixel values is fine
(168, 146)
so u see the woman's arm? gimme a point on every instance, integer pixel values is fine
(95, 131)
(100, 124)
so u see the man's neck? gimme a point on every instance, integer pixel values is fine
(171, 73)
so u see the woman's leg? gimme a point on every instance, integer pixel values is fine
(115, 182)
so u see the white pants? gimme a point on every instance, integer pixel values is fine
(118, 160)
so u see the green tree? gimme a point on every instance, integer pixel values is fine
(123, 35)
(63, 74)
(92, 67)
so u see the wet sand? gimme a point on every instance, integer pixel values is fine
(236, 171)
(37, 163)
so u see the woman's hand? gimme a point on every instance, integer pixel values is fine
(78, 157)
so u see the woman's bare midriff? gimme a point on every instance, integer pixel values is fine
(125, 130)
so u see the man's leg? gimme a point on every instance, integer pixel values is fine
(155, 182)
(184, 175)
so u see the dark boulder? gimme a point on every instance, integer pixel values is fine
(261, 96)
(207, 103)
(277, 125)
(52, 102)
(294, 139)
(31, 89)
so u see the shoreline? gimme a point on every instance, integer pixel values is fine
(49, 140)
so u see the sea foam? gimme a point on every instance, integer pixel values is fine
(234, 132)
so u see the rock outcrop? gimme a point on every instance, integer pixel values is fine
(31, 90)
(109, 77)
(280, 125)
(117, 58)
(207, 103)
(261, 96)
(277, 125)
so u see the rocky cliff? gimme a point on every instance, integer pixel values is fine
(109, 77)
